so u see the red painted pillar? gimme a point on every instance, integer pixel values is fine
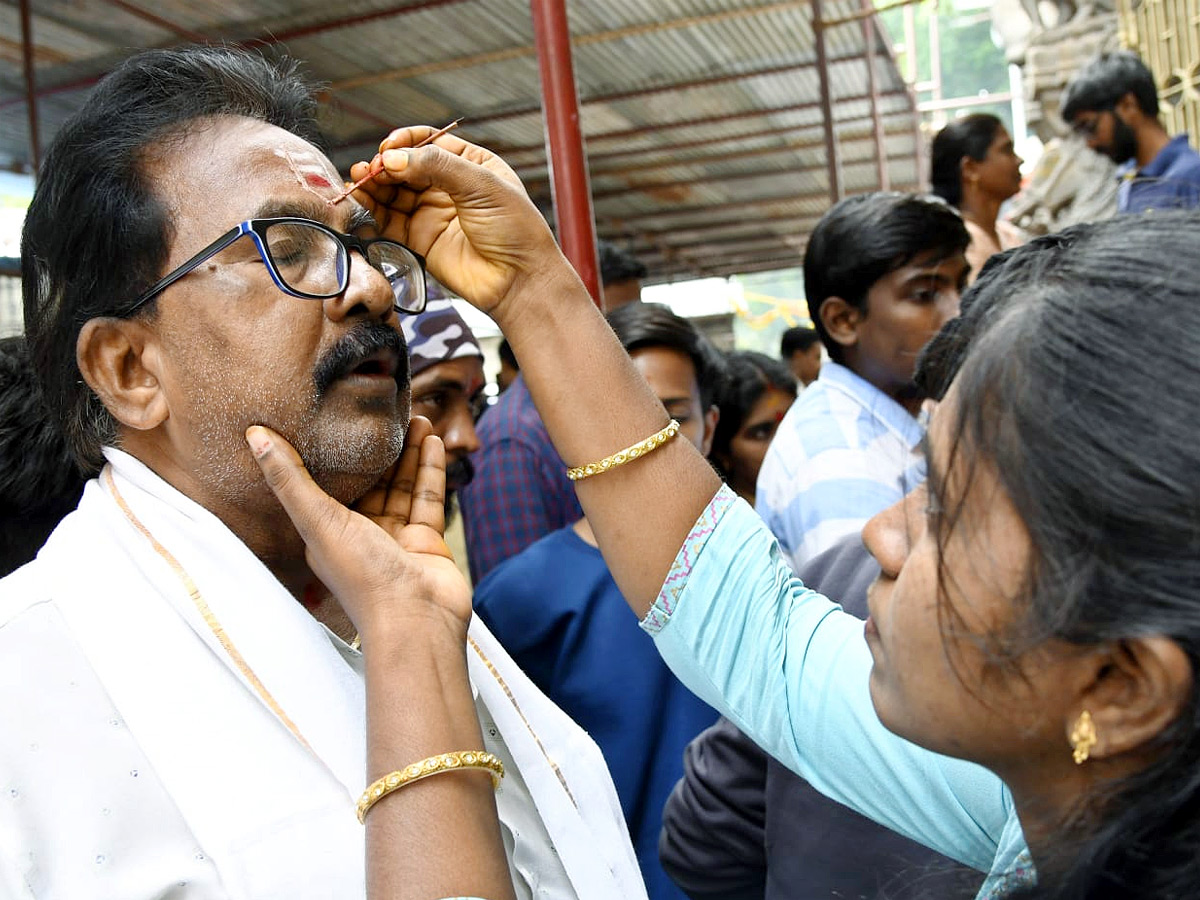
(831, 147)
(564, 142)
(35, 151)
(870, 30)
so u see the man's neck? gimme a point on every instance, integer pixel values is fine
(907, 395)
(584, 531)
(1151, 140)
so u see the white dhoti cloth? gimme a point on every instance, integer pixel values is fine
(174, 724)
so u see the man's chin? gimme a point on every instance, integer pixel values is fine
(349, 461)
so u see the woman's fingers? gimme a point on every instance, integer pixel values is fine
(397, 505)
(320, 520)
(428, 505)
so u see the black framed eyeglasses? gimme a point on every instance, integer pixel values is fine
(1088, 129)
(310, 260)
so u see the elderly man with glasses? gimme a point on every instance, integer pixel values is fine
(178, 721)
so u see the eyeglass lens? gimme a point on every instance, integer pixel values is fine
(312, 261)
(402, 271)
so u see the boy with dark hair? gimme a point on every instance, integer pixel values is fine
(621, 275)
(1113, 105)
(557, 610)
(521, 492)
(882, 273)
(800, 348)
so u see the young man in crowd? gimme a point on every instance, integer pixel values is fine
(558, 612)
(621, 275)
(176, 721)
(882, 273)
(1113, 104)
(447, 382)
(800, 348)
(520, 492)
(509, 370)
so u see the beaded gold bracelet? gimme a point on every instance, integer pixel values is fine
(641, 448)
(434, 765)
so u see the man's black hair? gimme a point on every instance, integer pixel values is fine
(97, 234)
(39, 479)
(797, 340)
(863, 238)
(618, 265)
(641, 325)
(507, 355)
(1105, 80)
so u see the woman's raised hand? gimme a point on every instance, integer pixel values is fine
(464, 209)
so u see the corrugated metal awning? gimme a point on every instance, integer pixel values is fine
(702, 117)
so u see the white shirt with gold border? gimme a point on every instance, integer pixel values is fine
(176, 725)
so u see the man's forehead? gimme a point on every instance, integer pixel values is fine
(233, 169)
(463, 372)
(933, 263)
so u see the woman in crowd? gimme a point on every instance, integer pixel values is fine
(1024, 699)
(756, 396)
(975, 169)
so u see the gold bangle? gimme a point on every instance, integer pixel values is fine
(434, 765)
(641, 448)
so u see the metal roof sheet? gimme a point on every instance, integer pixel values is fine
(701, 117)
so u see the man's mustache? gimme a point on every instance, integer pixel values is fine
(366, 339)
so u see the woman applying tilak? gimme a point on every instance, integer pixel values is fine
(1036, 620)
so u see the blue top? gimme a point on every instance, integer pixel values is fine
(790, 669)
(1170, 181)
(557, 611)
(843, 452)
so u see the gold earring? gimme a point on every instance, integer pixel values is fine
(1083, 737)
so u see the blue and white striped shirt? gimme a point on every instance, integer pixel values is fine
(844, 452)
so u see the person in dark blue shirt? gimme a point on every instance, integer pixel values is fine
(1113, 104)
(557, 611)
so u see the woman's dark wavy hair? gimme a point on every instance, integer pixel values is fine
(969, 136)
(749, 376)
(1080, 387)
(97, 234)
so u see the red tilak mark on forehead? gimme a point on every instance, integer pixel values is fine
(315, 180)
(779, 416)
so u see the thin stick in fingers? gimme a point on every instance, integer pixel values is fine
(373, 172)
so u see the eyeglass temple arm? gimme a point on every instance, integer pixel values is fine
(211, 250)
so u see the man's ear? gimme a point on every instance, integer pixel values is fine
(710, 429)
(120, 361)
(841, 320)
(1128, 109)
(1139, 688)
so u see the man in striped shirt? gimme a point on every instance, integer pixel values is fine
(882, 273)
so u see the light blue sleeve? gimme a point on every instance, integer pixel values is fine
(790, 669)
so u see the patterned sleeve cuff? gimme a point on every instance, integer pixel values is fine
(681, 568)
